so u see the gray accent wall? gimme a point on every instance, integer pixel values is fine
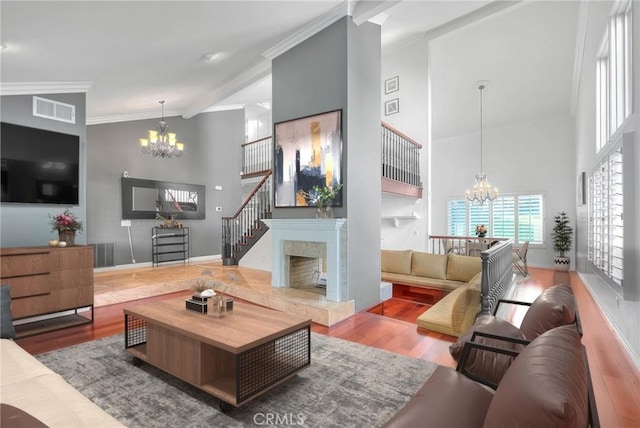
(24, 225)
(339, 68)
(211, 158)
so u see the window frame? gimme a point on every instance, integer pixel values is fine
(614, 91)
(516, 196)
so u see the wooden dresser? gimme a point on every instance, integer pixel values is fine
(48, 280)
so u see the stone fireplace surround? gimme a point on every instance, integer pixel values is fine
(305, 237)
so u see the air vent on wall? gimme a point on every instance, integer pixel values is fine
(54, 110)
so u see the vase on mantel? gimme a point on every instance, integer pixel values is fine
(324, 212)
(68, 236)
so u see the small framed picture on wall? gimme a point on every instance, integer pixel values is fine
(391, 85)
(392, 107)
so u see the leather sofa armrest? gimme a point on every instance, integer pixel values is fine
(468, 346)
(510, 302)
(498, 337)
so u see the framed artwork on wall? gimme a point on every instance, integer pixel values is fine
(307, 153)
(392, 107)
(391, 85)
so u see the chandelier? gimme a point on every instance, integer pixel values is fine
(162, 143)
(481, 189)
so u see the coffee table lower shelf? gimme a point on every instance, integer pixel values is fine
(234, 378)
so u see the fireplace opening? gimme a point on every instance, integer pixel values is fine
(308, 274)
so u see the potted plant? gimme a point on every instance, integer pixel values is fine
(67, 225)
(322, 197)
(562, 239)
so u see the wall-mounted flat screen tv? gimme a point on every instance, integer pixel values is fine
(38, 166)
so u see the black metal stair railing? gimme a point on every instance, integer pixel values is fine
(241, 231)
(256, 157)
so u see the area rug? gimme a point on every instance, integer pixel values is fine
(347, 385)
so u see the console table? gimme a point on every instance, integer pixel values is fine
(48, 280)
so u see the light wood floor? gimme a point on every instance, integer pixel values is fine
(616, 380)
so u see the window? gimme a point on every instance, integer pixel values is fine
(519, 217)
(606, 221)
(613, 76)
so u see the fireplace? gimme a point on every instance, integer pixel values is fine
(315, 239)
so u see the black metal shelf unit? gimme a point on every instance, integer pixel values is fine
(169, 244)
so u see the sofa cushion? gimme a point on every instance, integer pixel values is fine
(546, 385)
(556, 306)
(429, 265)
(476, 281)
(462, 268)
(395, 261)
(454, 313)
(488, 365)
(7, 331)
(439, 401)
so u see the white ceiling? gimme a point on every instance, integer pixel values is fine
(136, 53)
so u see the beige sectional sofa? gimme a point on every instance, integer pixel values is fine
(439, 271)
(30, 386)
(457, 276)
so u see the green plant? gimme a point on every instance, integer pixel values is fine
(322, 196)
(561, 236)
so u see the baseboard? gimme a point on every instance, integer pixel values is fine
(149, 264)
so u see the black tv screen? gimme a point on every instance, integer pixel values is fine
(38, 166)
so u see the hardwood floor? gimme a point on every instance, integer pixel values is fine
(616, 380)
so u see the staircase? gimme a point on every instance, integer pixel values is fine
(400, 175)
(245, 228)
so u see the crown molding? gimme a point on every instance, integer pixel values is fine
(35, 88)
(368, 10)
(223, 108)
(128, 117)
(307, 31)
(252, 75)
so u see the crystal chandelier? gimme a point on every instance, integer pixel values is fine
(481, 189)
(162, 143)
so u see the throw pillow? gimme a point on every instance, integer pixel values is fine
(6, 321)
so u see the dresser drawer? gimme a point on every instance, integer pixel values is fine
(24, 264)
(32, 285)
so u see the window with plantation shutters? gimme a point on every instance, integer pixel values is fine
(457, 215)
(530, 219)
(606, 220)
(503, 220)
(519, 217)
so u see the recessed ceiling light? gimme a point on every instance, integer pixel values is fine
(210, 56)
(2, 46)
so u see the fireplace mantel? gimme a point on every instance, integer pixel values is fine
(332, 231)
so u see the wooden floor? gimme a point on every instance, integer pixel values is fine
(616, 380)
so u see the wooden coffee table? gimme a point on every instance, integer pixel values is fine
(235, 357)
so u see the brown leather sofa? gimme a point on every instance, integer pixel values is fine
(547, 385)
(554, 307)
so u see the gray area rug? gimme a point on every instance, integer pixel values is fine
(347, 385)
